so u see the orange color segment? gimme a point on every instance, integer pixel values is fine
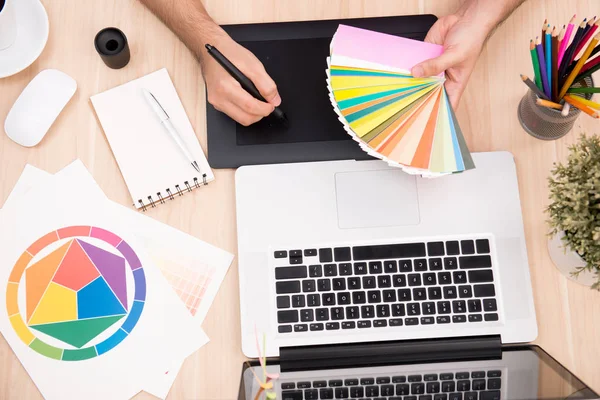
(73, 231)
(19, 268)
(423, 153)
(389, 146)
(76, 270)
(42, 243)
(39, 275)
(12, 305)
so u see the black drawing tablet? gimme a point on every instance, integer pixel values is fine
(294, 54)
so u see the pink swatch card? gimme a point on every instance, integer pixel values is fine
(374, 47)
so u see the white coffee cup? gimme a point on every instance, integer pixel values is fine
(8, 23)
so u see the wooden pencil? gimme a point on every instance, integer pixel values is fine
(571, 78)
(554, 65)
(536, 65)
(575, 103)
(587, 73)
(584, 90)
(583, 100)
(548, 54)
(565, 42)
(545, 83)
(562, 71)
(589, 64)
(544, 26)
(533, 87)
(586, 38)
(548, 104)
(576, 40)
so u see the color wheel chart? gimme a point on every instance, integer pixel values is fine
(406, 121)
(69, 289)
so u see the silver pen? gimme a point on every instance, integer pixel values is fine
(165, 121)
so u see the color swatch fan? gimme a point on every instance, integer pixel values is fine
(405, 121)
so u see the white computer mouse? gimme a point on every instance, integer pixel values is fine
(37, 107)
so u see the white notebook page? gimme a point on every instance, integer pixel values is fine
(148, 157)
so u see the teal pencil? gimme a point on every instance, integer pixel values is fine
(548, 54)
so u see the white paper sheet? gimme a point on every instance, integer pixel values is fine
(179, 251)
(163, 333)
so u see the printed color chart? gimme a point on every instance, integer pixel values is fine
(75, 293)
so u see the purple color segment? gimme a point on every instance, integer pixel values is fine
(130, 256)
(140, 284)
(111, 267)
(542, 61)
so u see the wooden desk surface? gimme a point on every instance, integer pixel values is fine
(568, 314)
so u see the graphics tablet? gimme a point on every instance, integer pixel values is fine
(294, 54)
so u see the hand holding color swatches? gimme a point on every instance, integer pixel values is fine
(405, 121)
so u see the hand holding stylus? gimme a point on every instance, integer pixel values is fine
(227, 95)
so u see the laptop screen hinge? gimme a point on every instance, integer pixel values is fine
(393, 352)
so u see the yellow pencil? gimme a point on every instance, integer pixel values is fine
(587, 102)
(575, 103)
(549, 104)
(578, 66)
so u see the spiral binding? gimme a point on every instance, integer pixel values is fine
(170, 195)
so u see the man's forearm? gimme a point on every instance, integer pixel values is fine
(488, 13)
(189, 20)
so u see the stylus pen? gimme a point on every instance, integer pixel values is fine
(241, 78)
(165, 121)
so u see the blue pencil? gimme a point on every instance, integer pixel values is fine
(542, 60)
(549, 55)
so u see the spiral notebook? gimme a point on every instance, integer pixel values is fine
(152, 165)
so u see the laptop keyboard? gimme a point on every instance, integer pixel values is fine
(475, 385)
(379, 286)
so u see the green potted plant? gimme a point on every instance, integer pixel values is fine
(574, 213)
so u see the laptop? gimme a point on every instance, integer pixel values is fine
(342, 252)
(509, 373)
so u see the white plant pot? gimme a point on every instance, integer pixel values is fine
(568, 261)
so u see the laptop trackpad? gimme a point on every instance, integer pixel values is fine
(370, 199)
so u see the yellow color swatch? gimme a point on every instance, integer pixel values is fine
(21, 329)
(58, 304)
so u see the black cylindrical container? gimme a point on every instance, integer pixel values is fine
(111, 44)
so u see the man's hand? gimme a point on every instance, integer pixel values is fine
(463, 35)
(462, 46)
(226, 94)
(190, 21)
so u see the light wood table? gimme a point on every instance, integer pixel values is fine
(568, 314)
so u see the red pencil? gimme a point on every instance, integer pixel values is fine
(590, 64)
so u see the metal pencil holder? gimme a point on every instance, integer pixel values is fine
(547, 123)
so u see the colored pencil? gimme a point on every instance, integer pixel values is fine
(571, 78)
(542, 60)
(554, 64)
(549, 104)
(544, 26)
(584, 90)
(533, 87)
(587, 73)
(536, 65)
(575, 103)
(576, 40)
(586, 38)
(548, 54)
(565, 42)
(566, 109)
(590, 64)
(589, 103)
